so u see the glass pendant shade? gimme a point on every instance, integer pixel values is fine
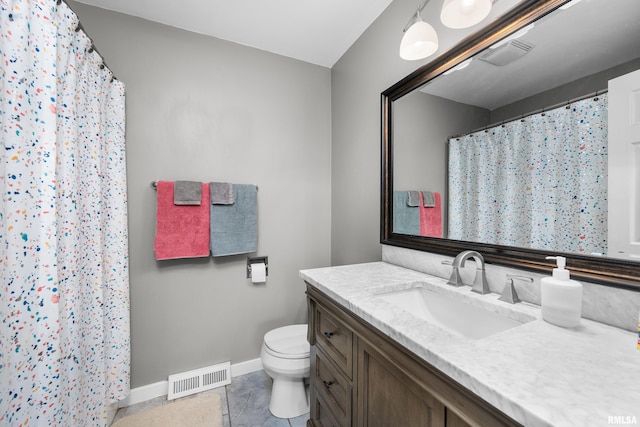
(464, 13)
(419, 41)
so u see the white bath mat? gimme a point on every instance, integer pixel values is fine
(198, 411)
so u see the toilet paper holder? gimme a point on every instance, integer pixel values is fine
(257, 260)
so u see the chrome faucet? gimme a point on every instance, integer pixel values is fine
(455, 279)
(509, 293)
(480, 284)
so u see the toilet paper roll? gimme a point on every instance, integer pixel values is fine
(258, 272)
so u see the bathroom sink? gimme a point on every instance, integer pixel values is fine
(450, 313)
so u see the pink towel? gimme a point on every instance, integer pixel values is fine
(182, 231)
(431, 218)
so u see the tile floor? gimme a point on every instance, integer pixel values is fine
(245, 403)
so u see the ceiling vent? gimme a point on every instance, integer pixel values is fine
(507, 53)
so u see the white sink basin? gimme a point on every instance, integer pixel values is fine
(450, 313)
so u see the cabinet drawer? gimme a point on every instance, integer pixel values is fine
(333, 388)
(322, 414)
(335, 339)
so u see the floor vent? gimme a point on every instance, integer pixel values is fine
(186, 383)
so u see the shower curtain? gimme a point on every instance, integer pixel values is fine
(537, 182)
(64, 297)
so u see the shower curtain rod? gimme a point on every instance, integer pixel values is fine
(93, 47)
(154, 185)
(566, 104)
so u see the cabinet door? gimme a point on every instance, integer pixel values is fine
(388, 396)
(455, 421)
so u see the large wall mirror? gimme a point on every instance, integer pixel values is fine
(523, 141)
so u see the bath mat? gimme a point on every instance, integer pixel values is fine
(200, 411)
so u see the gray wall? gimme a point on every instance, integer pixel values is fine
(199, 108)
(422, 125)
(370, 66)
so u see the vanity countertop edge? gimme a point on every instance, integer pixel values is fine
(539, 374)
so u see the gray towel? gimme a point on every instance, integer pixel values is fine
(428, 199)
(413, 199)
(221, 193)
(187, 193)
(234, 228)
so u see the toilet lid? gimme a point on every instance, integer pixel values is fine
(289, 341)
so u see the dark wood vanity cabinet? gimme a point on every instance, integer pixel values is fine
(360, 377)
(331, 370)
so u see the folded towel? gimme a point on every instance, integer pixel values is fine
(221, 193)
(431, 218)
(234, 228)
(413, 199)
(428, 200)
(181, 231)
(187, 193)
(406, 220)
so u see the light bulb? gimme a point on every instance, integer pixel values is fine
(464, 13)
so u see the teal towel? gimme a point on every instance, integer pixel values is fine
(234, 228)
(406, 220)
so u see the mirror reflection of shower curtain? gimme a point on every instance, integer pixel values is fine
(538, 182)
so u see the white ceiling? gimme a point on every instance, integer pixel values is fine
(319, 32)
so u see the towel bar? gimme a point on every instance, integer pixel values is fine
(154, 185)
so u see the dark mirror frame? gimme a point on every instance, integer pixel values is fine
(605, 271)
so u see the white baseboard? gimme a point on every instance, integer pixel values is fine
(144, 393)
(161, 388)
(247, 367)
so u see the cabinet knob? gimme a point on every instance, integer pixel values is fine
(328, 334)
(328, 384)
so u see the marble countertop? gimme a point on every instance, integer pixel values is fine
(537, 373)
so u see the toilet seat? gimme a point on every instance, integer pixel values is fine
(288, 342)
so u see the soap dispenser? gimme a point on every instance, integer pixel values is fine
(561, 297)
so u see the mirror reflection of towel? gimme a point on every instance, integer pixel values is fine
(413, 199)
(428, 199)
(431, 218)
(406, 220)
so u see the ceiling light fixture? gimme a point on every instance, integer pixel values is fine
(464, 13)
(420, 39)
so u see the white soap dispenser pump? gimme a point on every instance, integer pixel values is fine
(561, 297)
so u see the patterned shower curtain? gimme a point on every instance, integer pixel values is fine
(539, 182)
(64, 291)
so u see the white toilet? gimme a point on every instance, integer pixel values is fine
(285, 358)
